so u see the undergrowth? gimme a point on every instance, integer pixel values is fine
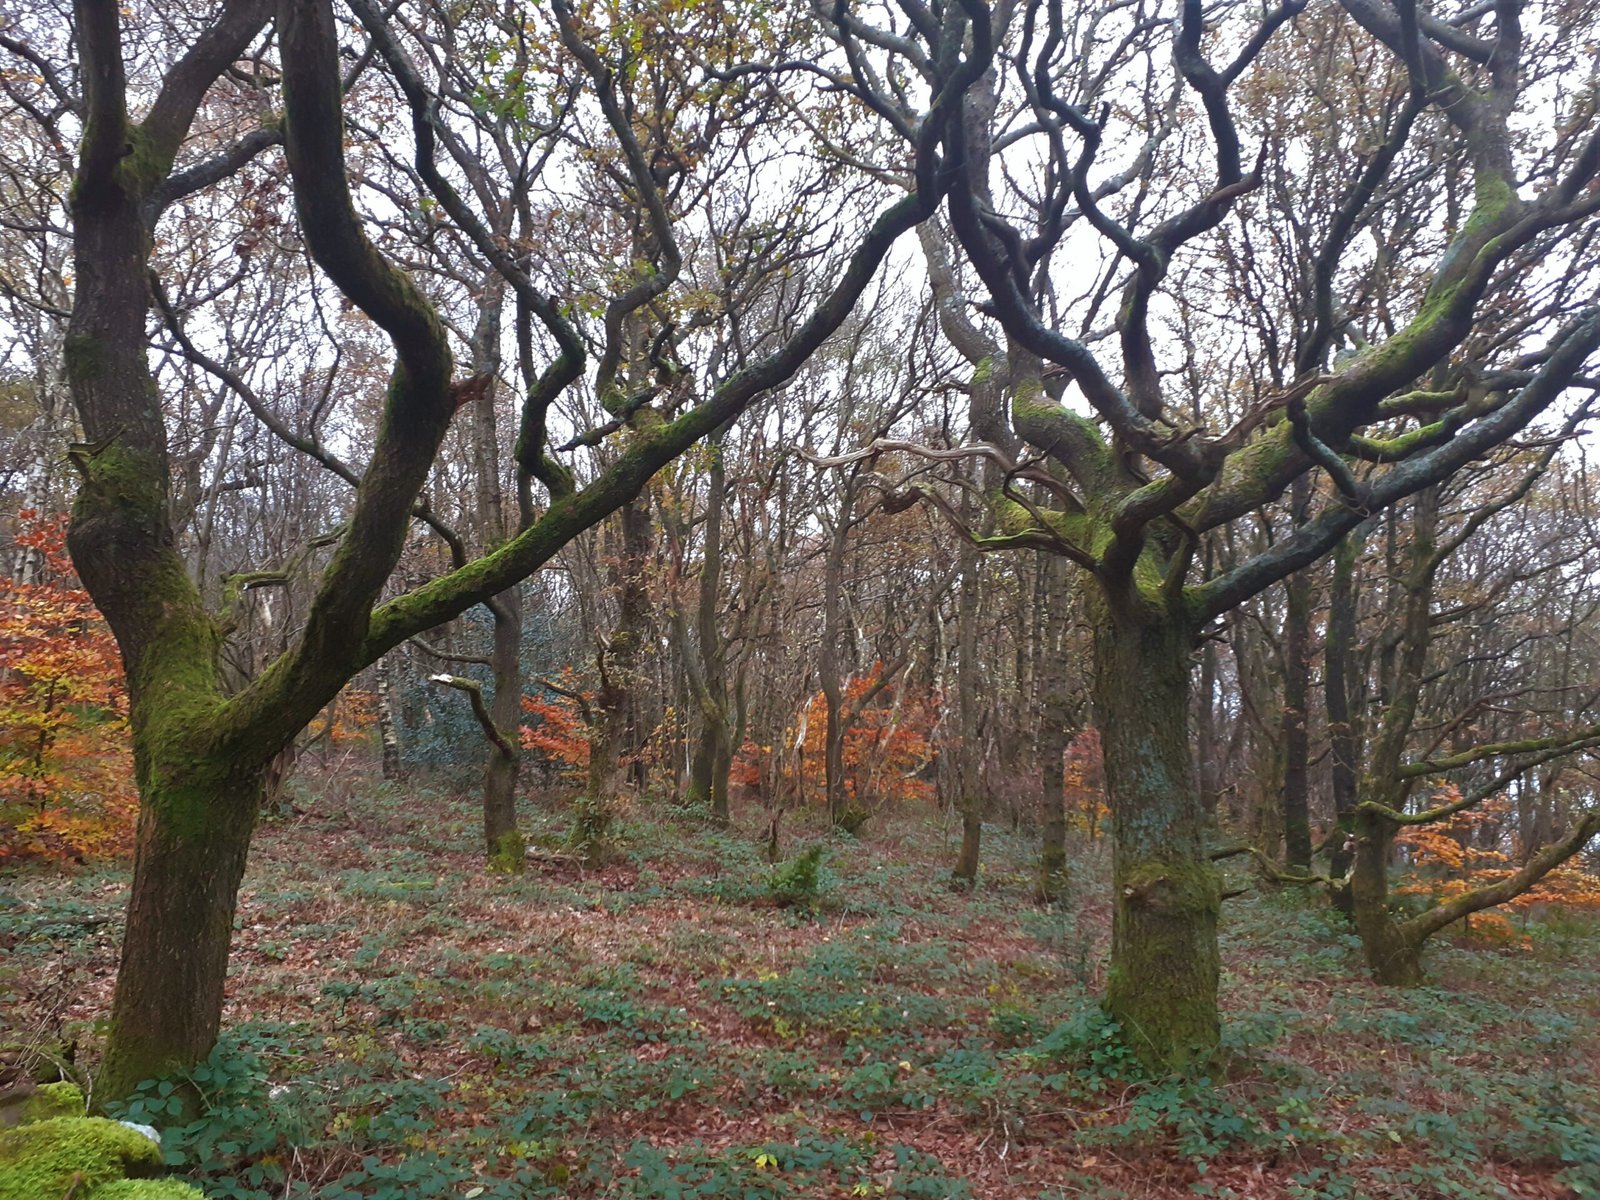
(689, 1021)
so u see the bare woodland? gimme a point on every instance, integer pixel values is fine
(829, 410)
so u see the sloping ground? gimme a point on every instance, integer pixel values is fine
(403, 1025)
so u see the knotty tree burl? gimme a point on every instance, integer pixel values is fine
(1418, 290)
(201, 752)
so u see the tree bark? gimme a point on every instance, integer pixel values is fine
(1296, 695)
(388, 731)
(713, 754)
(195, 822)
(970, 798)
(1164, 961)
(1392, 955)
(1345, 744)
(1055, 728)
(841, 814)
(502, 841)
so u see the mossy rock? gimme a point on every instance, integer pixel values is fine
(147, 1189)
(41, 1161)
(52, 1100)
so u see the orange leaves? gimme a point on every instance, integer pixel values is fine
(1084, 781)
(886, 746)
(66, 778)
(559, 732)
(1467, 851)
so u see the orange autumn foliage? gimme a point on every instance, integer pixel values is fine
(354, 715)
(1464, 852)
(66, 766)
(1084, 781)
(558, 731)
(886, 747)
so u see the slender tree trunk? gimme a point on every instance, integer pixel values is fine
(503, 844)
(1055, 728)
(502, 841)
(1206, 716)
(1296, 744)
(1296, 698)
(970, 797)
(1164, 962)
(828, 672)
(388, 731)
(1345, 746)
(713, 755)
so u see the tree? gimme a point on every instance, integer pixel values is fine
(1487, 733)
(1473, 321)
(201, 753)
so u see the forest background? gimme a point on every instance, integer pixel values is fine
(1157, 434)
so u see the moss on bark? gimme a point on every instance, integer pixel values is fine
(1162, 988)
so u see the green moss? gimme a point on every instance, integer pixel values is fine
(122, 483)
(145, 166)
(510, 855)
(84, 357)
(1167, 932)
(591, 835)
(147, 1189)
(1054, 876)
(41, 1161)
(52, 1100)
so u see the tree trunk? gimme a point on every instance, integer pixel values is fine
(1392, 955)
(1344, 745)
(970, 797)
(1296, 695)
(388, 731)
(614, 731)
(840, 813)
(1164, 962)
(194, 833)
(1206, 714)
(713, 755)
(1054, 730)
(503, 843)
(199, 790)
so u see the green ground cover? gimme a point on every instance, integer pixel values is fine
(688, 1023)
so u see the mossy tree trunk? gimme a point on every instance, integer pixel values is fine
(1164, 963)
(502, 840)
(712, 759)
(194, 833)
(503, 763)
(200, 787)
(1393, 955)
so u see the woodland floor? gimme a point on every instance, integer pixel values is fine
(401, 1024)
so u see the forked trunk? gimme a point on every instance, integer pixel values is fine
(710, 765)
(1164, 966)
